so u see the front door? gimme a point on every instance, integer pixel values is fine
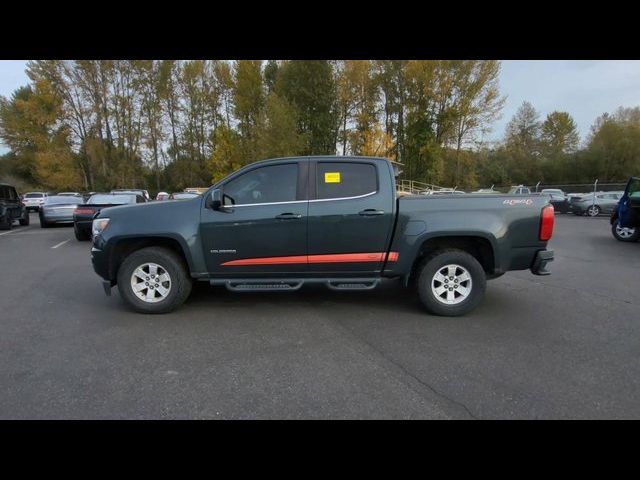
(629, 206)
(262, 229)
(350, 217)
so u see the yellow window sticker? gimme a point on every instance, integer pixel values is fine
(332, 177)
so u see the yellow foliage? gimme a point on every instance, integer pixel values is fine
(378, 144)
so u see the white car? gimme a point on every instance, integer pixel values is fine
(34, 200)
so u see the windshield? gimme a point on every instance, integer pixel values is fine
(111, 199)
(34, 195)
(67, 200)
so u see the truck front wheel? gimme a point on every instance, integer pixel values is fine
(451, 282)
(625, 234)
(154, 280)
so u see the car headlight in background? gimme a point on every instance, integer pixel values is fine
(98, 226)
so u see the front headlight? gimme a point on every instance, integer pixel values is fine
(98, 226)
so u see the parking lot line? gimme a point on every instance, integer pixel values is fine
(12, 231)
(60, 244)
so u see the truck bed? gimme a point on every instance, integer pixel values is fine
(509, 223)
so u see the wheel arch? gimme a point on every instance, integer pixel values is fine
(480, 246)
(125, 246)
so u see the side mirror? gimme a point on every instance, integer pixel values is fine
(214, 201)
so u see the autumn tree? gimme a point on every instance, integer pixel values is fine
(309, 87)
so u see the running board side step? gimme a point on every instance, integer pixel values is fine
(292, 284)
(353, 284)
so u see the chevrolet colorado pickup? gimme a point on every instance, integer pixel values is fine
(278, 224)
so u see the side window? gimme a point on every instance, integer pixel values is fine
(273, 183)
(343, 180)
(634, 188)
(12, 193)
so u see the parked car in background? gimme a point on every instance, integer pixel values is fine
(11, 207)
(135, 191)
(625, 219)
(162, 196)
(488, 190)
(604, 202)
(69, 194)
(34, 200)
(519, 190)
(83, 214)
(199, 190)
(444, 191)
(557, 198)
(183, 196)
(58, 210)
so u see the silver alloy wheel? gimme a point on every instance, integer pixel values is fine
(624, 232)
(593, 211)
(151, 282)
(451, 284)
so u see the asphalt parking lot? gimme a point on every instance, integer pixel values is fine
(562, 346)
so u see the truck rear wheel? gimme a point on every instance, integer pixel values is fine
(451, 282)
(154, 280)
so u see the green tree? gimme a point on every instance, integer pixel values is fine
(309, 87)
(277, 136)
(523, 144)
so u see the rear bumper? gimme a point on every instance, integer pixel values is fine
(83, 226)
(540, 261)
(51, 217)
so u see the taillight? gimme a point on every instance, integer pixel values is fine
(83, 211)
(546, 223)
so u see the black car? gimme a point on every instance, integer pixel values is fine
(83, 215)
(11, 208)
(558, 199)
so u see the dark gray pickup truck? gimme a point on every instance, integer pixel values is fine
(278, 224)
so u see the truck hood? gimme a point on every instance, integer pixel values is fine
(154, 218)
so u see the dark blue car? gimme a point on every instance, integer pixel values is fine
(625, 220)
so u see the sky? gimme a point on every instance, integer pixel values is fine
(584, 88)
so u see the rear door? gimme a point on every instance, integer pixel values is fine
(11, 201)
(350, 217)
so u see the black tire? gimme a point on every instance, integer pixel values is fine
(634, 237)
(80, 236)
(440, 259)
(43, 224)
(171, 262)
(6, 223)
(25, 221)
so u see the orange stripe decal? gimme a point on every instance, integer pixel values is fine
(346, 258)
(326, 258)
(268, 261)
(393, 257)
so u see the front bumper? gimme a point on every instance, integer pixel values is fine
(539, 266)
(100, 262)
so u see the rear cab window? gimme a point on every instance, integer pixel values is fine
(345, 180)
